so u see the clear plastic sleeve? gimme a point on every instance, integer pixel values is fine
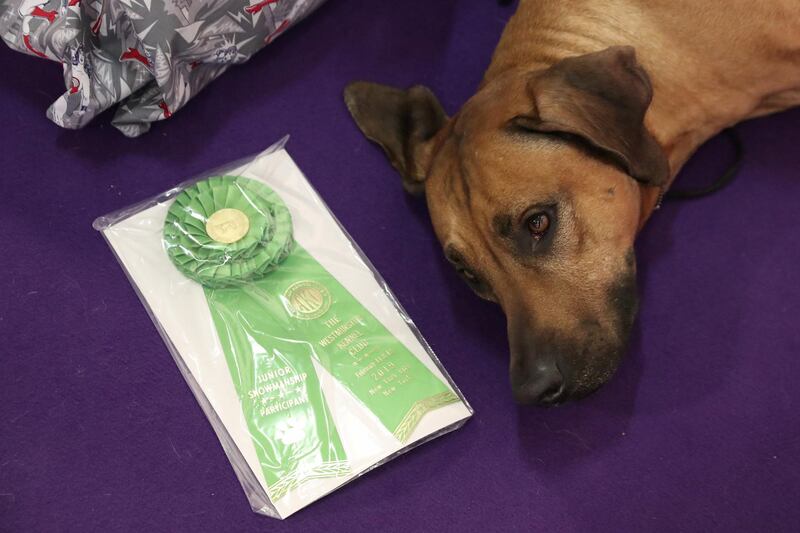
(307, 367)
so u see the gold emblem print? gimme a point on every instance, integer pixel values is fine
(227, 225)
(307, 300)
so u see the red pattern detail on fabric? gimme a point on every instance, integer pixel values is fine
(27, 40)
(41, 13)
(96, 25)
(255, 8)
(135, 55)
(165, 109)
(278, 31)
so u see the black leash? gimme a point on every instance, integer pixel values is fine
(725, 179)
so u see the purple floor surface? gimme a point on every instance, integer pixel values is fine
(698, 431)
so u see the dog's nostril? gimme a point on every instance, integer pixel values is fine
(544, 385)
(552, 394)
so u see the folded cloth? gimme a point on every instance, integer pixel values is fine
(152, 56)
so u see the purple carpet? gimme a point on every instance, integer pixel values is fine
(698, 431)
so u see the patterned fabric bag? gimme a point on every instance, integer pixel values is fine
(153, 56)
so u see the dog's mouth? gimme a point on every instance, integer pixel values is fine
(559, 370)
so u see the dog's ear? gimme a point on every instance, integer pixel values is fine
(602, 98)
(401, 122)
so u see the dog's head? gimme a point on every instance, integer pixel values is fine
(534, 192)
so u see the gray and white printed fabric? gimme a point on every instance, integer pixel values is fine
(152, 56)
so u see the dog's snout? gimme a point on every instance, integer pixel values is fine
(540, 382)
(536, 377)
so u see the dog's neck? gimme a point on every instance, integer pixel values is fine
(694, 97)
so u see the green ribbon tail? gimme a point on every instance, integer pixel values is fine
(287, 416)
(302, 300)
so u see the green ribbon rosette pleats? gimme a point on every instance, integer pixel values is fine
(277, 311)
(254, 237)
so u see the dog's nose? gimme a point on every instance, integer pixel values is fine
(542, 383)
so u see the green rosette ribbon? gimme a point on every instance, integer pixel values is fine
(276, 311)
(261, 240)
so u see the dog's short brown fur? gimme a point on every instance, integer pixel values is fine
(586, 113)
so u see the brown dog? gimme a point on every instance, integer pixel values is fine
(538, 187)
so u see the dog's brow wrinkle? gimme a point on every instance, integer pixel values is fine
(464, 180)
(497, 259)
(502, 225)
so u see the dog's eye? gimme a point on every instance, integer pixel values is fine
(538, 224)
